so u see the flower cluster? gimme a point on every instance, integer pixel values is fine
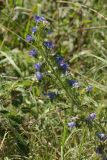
(30, 38)
(63, 66)
(90, 117)
(60, 61)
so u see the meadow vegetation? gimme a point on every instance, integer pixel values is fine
(53, 80)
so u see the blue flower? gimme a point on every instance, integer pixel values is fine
(39, 75)
(48, 44)
(52, 95)
(89, 88)
(59, 59)
(39, 19)
(34, 29)
(33, 52)
(72, 124)
(63, 66)
(29, 38)
(101, 136)
(73, 83)
(37, 66)
(61, 63)
(92, 116)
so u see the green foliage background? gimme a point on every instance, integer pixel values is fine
(31, 126)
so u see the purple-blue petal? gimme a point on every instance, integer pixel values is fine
(71, 124)
(89, 88)
(33, 52)
(39, 75)
(48, 44)
(37, 66)
(39, 18)
(92, 116)
(29, 38)
(34, 29)
(64, 66)
(73, 83)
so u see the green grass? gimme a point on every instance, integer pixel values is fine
(31, 126)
